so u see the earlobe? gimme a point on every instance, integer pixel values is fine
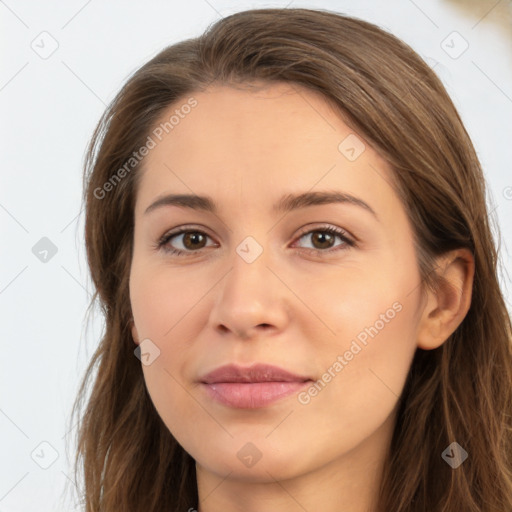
(447, 306)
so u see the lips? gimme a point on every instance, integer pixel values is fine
(251, 387)
(254, 373)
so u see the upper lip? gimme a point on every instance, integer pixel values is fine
(254, 373)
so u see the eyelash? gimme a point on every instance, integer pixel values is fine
(347, 243)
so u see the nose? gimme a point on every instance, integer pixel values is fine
(250, 300)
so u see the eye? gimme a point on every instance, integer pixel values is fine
(192, 240)
(323, 239)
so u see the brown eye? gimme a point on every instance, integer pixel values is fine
(193, 240)
(323, 240)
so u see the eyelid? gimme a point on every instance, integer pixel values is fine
(325, 226)
(186, 227)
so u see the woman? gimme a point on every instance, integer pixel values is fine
(287, 231)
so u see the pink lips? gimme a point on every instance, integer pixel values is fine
(251, 387)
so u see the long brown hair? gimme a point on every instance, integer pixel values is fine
(460, 392)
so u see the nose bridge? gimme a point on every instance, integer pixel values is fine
(248, 279)
(249, 294)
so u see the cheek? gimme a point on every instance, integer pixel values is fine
(161, 298)
(168, 310)
(361, 384)
(165, 315)
(367, 351)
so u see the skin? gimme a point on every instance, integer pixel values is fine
(290, 307)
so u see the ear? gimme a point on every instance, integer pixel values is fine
(135, 334)
(446, 307)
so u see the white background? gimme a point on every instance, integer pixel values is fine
(49, 108)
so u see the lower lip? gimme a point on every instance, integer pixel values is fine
(251, 395)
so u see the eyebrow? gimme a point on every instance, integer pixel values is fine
(286, 204)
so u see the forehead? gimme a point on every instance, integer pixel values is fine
(258, 142)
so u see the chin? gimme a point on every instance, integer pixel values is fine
(257, 462)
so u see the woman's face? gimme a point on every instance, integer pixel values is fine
(261, 281)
